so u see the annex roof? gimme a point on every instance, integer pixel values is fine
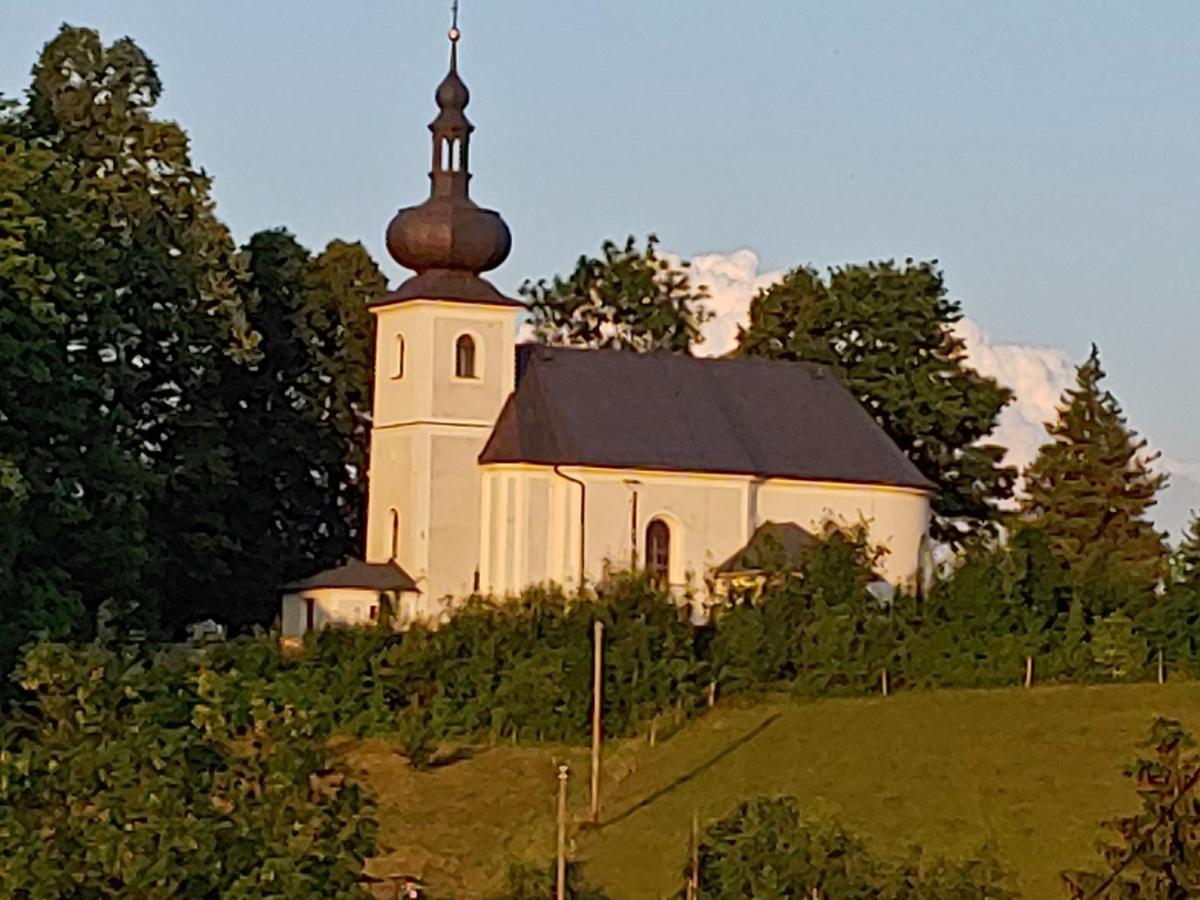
(357, 574)
(671, 412)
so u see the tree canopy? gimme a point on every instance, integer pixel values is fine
(627, 299)
(889, 331)
(181, 423)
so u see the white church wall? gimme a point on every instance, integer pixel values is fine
(896, 518)
(710, 517)
(332, 607)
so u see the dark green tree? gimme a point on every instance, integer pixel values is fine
(889, 332)
(627, 299)
(1185, 561)
(131, 296)
(297, 424)
(1091, 487)
(72, 505)
(1154, 853)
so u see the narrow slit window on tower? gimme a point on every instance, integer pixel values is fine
(398, 364)
(658, 552)
(445, 165)
(395, 533)
(456, 156)
(464, 357)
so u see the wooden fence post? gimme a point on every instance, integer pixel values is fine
(561, 883)
(693, 884)
(597, 706)
(712, 694)
(883, 682)
(1162, 668)
(1028, 672)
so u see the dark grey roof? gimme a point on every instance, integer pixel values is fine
(774, 546)
(620, 409)
(358, 574)
(447, 284)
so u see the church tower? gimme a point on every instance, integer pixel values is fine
(444, 366)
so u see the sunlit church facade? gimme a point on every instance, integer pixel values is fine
(495, 466)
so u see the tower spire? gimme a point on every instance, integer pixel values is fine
(449, 232)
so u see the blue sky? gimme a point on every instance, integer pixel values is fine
(1046, 154)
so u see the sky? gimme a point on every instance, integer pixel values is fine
(1047, 155)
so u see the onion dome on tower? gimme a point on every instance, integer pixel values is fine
(449, 240)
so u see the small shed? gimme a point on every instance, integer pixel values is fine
(354, 593)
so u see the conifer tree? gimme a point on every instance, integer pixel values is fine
(1185, 561)
(1090, 489)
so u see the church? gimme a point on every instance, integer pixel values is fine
(496, 465)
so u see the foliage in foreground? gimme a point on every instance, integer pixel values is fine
(768, 848)
(127, 775)
(530, 881)
(1154, 853)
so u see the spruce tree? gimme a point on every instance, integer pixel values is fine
(1090, 488)
(1185, 561)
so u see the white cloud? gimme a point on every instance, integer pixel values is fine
(732, 280)
(1037, 377)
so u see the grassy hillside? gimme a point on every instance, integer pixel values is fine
(1031, 773)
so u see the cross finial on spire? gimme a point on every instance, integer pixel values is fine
(454, 32)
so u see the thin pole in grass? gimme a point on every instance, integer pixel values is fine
(693, 883)
(1162, 668)
(561, 882)
(1028, 672)
(597, 725)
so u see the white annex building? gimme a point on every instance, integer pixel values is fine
(495, 466)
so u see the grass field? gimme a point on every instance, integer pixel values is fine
(1030, 772)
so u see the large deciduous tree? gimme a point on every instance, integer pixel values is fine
(299, 428)
(180, 424)
(627, 298)
(1091, 487)
(123, 306)
(889, 331)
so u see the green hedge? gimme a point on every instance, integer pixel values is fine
(768, 848)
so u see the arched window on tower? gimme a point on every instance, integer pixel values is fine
(464, 357)
(456, 156)
(394, 524)
(398, 362)
(444, 162)
(658, 552)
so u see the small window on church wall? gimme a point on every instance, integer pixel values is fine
(464, 357)
(395, 533)
(398, 362)
(658, 552)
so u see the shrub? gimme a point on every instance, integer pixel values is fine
(530, 881)
(157, 774)
(1155, 852)
(767, 848)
